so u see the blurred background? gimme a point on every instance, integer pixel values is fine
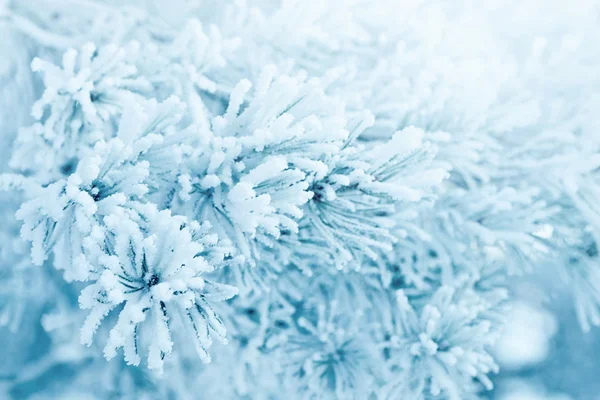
(543, 353)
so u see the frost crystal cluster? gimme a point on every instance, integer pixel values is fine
(287, 199)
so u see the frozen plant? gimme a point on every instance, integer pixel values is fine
(158, 277)
(322, 199)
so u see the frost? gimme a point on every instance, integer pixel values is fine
(440, 346)
(324, 199)
(331, 356)
(158, 278)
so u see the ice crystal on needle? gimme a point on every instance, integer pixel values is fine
(255, 198)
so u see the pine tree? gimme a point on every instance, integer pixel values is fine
(324, 199)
